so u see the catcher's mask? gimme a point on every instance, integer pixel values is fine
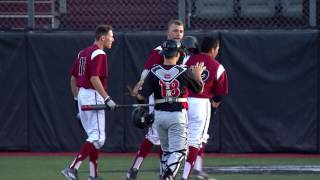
(141, 118)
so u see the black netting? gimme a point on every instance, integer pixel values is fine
(154, 14)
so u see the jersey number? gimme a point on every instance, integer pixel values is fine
(170, 89)
(82, 66)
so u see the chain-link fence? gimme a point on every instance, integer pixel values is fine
(154, 14)
(249, 14)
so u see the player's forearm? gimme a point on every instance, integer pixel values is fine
(97, 84)
(74, 87)
(140, 82)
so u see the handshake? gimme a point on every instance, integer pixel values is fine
(111, 105)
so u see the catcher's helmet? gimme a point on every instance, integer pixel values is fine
(141, 118)
(190, 43)
(170, 47)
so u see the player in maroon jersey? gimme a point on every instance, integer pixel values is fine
(215, 84)
(88, 84)
(175, 31)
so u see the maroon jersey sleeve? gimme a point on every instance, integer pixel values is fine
(98, 65)
(154, 58)
(221, 82)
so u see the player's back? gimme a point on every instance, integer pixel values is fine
(170, 81)
(83, 68)
(209, 76)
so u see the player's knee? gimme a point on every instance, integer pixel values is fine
(194, 142)
(154, 140)
(98, 143)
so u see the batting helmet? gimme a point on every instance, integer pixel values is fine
(190, 44)
(141, 118)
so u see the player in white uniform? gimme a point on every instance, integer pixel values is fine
(215, 79)
(191, 47)
(88, 85)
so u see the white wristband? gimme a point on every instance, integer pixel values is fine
(107, 98)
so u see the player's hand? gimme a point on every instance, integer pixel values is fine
(215, 105)
(110, 103)
(198, 69)
(137, 87)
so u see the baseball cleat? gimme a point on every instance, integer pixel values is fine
(132, 174)
(201, 175)
(70, 174)
(95, 178)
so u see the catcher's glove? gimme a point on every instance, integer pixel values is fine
(141, 118)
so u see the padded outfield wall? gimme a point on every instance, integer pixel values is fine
(272, 104)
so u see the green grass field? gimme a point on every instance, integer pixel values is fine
(114, 167)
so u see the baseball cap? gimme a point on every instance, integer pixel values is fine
(170, 47)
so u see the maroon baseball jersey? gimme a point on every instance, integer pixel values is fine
(172, 81)
(91, 61)
(154, 58)
(214, 76)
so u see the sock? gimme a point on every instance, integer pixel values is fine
(93, 163)
(199, 161)
(190, 162)
(144, 150)
(85, 150)
(198, 164)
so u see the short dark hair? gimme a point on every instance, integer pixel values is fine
(208, 43)
(176, 22)
(102, 30)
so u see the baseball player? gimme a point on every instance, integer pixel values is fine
(215, 83)
(88, 85)
(175, 30)
(191, 47)
(170, 84)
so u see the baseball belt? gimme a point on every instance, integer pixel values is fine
(170, 100)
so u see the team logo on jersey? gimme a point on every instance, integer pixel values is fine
(205, 75)
(167, 76)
